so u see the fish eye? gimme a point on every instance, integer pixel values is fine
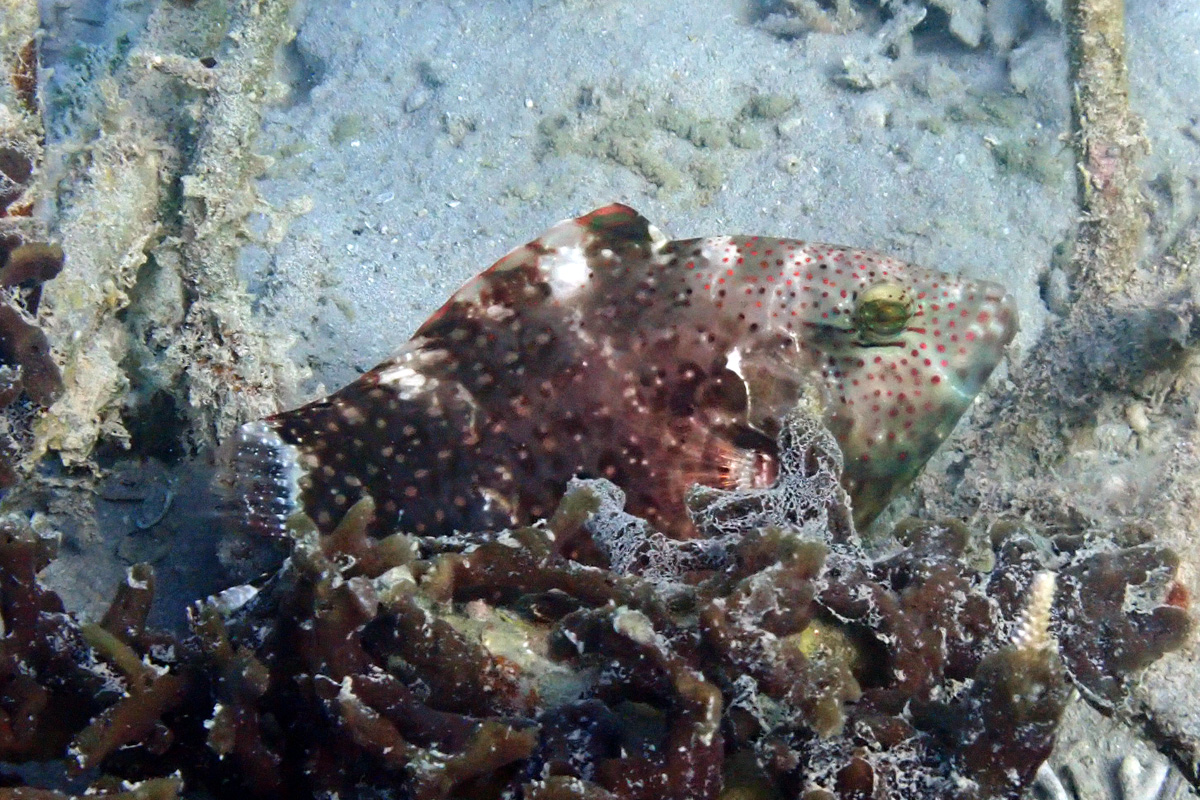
(883, 311)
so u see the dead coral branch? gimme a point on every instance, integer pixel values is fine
(107, 220)
(234, 370)
(134, 257)
(1109, 143)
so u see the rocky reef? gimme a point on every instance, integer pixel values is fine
(590, 657)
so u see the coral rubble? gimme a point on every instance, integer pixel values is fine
(780, 661)
(998, 23)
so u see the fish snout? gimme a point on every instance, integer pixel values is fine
(1003, 323)
(989, 328)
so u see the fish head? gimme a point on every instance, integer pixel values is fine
(899, 353)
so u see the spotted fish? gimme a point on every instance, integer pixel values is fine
(602, 349)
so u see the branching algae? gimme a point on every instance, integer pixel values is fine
(780, 662)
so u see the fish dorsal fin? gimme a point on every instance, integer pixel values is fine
(619, 222)
(615, 227)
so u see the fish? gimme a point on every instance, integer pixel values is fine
(604, 349)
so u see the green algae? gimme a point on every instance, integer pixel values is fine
(347, 127)
(768, 106)
(708, 174)
(1034, 158)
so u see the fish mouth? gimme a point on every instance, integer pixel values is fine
(994, 327)
(1007, 314)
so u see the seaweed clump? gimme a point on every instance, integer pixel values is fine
(772, 660)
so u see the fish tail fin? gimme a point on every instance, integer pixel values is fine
(258, 480)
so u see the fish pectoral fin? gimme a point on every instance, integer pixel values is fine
(774, 385)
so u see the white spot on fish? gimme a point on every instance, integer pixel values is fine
(733, 362)
(407, 382)
(498, 313)
(658, 240)
(714, 247)
(566, 270)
